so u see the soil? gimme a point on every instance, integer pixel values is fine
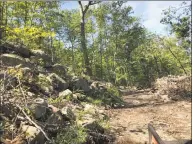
(171, 119)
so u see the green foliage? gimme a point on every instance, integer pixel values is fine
(179, 20)
(120, 50)
(73, 134)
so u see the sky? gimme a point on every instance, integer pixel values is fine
(150, 12)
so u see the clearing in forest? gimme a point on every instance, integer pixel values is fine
(171, 119)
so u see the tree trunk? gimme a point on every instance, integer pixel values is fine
(1, 20)
(83, 45)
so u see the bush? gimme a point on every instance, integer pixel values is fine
(73, 134)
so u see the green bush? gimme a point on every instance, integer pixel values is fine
(72, 135)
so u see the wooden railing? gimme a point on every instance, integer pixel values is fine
(154, 138)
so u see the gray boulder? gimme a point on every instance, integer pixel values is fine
(18, 49)
(39, 54)
(59, 83)
(65, 93)
(39, 108)
(68, 114)
(79, 96)
(81, 84)
(55, 122)
(45, 84)
(13, 60)
(33, 134)
(58, 69)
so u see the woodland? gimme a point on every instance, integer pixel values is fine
(81, 57)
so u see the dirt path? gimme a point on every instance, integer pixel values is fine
(172, 120)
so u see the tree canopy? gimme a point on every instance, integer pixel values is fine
(103, 39)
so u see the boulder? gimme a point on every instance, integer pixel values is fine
(20, 50)
(33, 134)
(13, 60)
(45, 84)
(55, 122)
(58, 69)
(53, 108)
(93, 126)
(81, 84)
(79, 96)
(39, 108)
(65, 93)
(39, 54)
(90, 123)
(68, 114)
(90, 109)
(59, 83)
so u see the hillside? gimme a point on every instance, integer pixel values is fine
(41, 98)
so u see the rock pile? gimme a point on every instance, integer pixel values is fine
(39, 99)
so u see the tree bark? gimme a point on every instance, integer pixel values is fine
(1, 20)
(83, 38)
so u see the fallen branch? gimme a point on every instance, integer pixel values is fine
(38, 127)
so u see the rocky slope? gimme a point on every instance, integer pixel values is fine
(42, 103)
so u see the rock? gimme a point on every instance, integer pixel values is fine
(13, 60)
(68, 114)
(59, 83)
(165, 98)
(39, 108)
(58, 69)
(92, 125)
(20, 50)
(98, 138)
(45, 84)
(30, 130)
(53, 108)
(33, 134)
(65, 93)
(41, 54)
(81, 84)
(55, 122)
(90, 109)
(79, 96)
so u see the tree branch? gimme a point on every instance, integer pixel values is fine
(80, 4)
(37, 126)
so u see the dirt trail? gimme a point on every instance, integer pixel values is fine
(172, 120)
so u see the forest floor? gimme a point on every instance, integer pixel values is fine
(171, 119)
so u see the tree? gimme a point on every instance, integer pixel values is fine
(179, 20)
(83, 11)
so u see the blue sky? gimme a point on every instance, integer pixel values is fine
(149, 11)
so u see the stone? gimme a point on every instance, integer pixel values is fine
(59, 83)
(165, 98)
(39, 108)
(45, 84)
(20, 50)
(13, 60)
(53, 108)
(55, 122)
(41, 54)
(65, 93)
(90, 109)
(58, 69)
(30, 131)
(81, 84)
(90, 123)
(33, 134)
(68, 114)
